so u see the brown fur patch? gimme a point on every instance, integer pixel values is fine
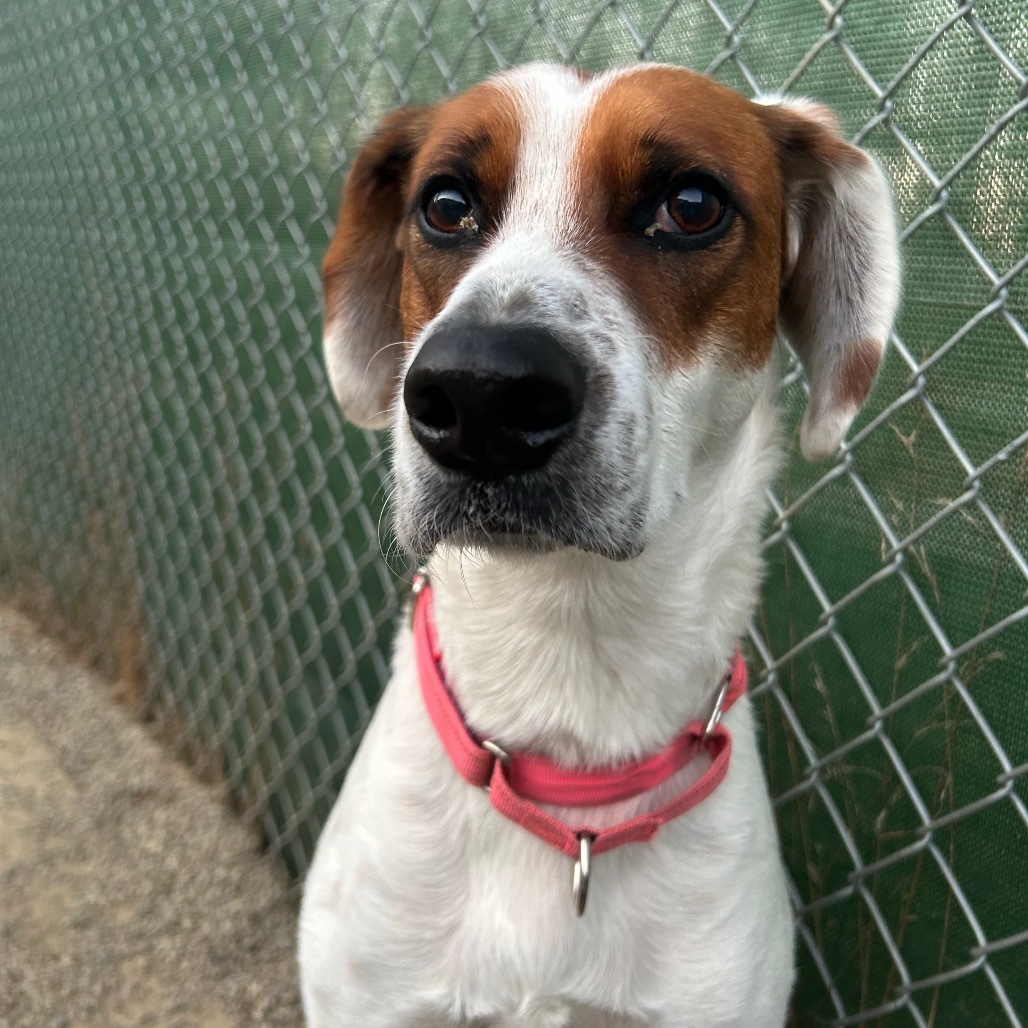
(473, 138)
(727, 293)
(810, 134)
(362, 268)
(363, 250)
(857, 374)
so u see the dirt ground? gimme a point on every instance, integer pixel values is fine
(129, 895)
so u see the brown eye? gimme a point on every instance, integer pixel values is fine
(450, 211)
(693, 210)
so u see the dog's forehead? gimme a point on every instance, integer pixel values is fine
(477, 134)
(544, 127)
(699, 122)
(566, 158)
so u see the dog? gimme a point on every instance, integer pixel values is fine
(564, 293)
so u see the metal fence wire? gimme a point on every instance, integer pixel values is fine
(179, 499)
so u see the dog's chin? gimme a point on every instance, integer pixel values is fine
(504, 544)
(490, 520)
(422, 540)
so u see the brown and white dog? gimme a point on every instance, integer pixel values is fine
(562, 292)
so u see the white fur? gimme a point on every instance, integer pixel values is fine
(423, 905)
(857, 312)
(350, 375)
(842, 253)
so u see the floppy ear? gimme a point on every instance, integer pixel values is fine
(841, 267)
(362, 272)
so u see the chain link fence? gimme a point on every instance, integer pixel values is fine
(180, 501)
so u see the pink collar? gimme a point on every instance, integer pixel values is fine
(518, 782)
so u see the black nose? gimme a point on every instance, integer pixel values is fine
(493, 400)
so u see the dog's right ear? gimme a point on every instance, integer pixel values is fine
(363, 268)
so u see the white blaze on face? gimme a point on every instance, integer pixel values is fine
(554, 105)
(533, 267)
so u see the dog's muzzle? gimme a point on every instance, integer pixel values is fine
(507, 440)
(495, 400)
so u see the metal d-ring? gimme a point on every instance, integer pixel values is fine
(420, 580)
(499, 754)
(417, 587)
(719, 708)
(496, 750)
(580, 873)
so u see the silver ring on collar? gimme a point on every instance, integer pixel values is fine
(580, 873)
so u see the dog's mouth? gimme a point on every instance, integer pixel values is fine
(504, 542)
(536, 514)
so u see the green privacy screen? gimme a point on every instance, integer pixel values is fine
(179, 499)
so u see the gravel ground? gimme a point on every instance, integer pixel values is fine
(129, 895)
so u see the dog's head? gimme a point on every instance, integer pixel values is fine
(562, 291)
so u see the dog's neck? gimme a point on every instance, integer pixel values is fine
(594, 661)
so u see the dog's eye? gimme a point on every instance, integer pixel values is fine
(694, 209)
(691, 209)
(450, 211)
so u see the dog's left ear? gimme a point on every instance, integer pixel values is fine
(841, 266)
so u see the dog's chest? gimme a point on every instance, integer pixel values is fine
(427, 884)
